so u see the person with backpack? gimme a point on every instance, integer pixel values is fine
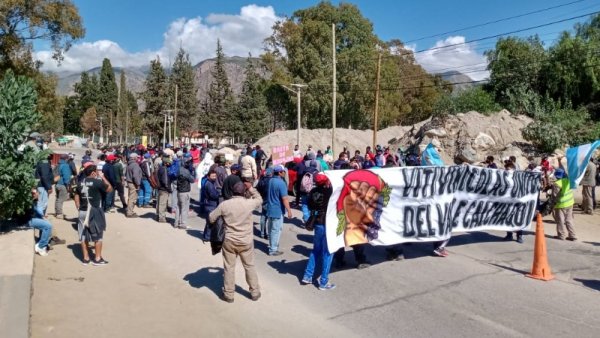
(184, 186)
(277, 202)
(306, 184)
(318, 199)
(236, 215)
(64, 178)
(145, 189)
(133, 176)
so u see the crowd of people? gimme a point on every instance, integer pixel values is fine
(162, 179)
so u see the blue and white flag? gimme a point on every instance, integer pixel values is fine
(578, 159)
(431, 157)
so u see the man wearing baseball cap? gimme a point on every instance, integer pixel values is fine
(277, 203)
(563, 209)
(108, 170)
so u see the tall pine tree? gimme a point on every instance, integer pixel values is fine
(108, 96)
(122, 123)
(251, 118)
(182, 76)
(218, 108)
(156, 99)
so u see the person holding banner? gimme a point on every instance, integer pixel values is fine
(563, 210)
(317, 202)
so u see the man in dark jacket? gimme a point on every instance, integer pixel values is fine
(108, 170)
(184, 186)
(210, 201)
(119, 179)
(133, 176)
(260, 157)
(64, 173)
(145, 189)
(343, 158)
(164, 189)
(263, 189)
(43, 173)
(230, 181)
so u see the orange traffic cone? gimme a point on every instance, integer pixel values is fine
(541, 268)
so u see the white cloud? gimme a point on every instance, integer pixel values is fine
(240, 34)
(463, 58)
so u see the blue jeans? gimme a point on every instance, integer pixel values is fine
(144, 193)
(305, 211)
(319, 252)
(42, 199)
(109, 200)
(45, 229)
(263, 223)
(274, 225)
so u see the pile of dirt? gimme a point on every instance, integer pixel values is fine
(468, 137)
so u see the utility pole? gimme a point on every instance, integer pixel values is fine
(175, 119)
(170, 119)
(375, 122)
(298, 92)
(110, 127)
(165, 132)
(333, 110)
(127, 126)
(101, 131)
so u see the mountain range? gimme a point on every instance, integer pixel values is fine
(234, 67)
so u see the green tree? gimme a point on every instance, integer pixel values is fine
(86, 91)
(108, 96)
(182, 76)
(218, 108)
(72, 115)
(155, 97)
(251, 116)
(515, 62)
(472, 99)
(123, 109)
(18, 117)
(23, 21)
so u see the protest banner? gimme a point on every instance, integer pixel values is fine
(145, 140)
(282, 154)
(412, 204)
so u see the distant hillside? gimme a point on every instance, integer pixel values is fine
(134, 79)
(454, 76)
(234, 67)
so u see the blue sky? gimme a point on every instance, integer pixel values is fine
(133, 32)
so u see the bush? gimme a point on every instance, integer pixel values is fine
(472, 99)
(17, 116)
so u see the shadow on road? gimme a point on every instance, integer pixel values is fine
(212, 279)
(593, 243)
(305, 238)
(292, 268)
(473, 237)
(76, 249)
(522, 272)
(301, 250)
(590, 283)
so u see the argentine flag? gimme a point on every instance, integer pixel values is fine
(578, 159)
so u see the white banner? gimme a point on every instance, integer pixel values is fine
(412, 204)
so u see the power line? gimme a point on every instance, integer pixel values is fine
(494, 21)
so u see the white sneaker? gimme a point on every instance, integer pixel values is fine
(40, 251)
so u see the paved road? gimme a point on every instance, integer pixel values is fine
(163, 282)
